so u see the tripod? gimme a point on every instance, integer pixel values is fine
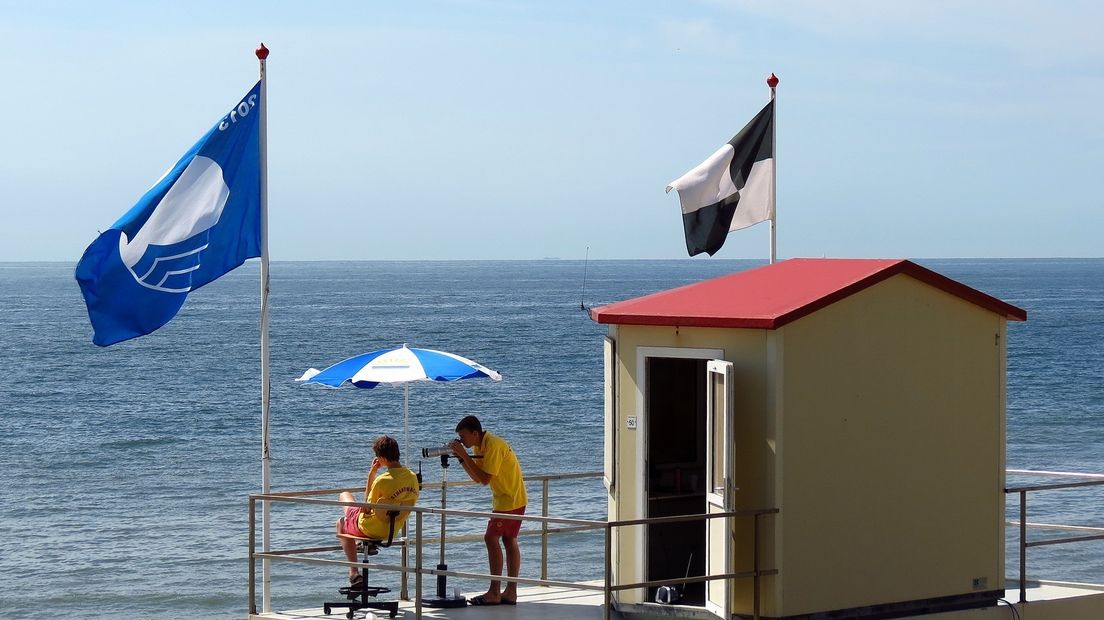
(443, 600)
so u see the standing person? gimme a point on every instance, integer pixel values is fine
(397, 486)
(498, 467)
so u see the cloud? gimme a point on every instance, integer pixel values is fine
(1039, 32)
(700, 35)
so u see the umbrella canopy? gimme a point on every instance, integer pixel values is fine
(400, 365)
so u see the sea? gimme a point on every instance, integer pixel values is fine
(125, 471)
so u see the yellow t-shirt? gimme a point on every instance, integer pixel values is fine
(507, 484)
(397, 485)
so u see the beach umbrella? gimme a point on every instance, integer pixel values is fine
(400, 365)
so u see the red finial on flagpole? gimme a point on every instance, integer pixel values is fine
(262, 52)
(772, 81)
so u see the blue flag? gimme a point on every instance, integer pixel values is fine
(199, 221)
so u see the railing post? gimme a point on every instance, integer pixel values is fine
(252, 560)
(418, 567)
(544, 529)
(755, 565)
(1023, 546)
(607, 595)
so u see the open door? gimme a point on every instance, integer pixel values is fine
(719, 474)
(674, 468)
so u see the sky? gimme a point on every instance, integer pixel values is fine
(533, 129)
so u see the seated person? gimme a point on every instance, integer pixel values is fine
(398, 486)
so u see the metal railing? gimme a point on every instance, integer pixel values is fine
(755, 574)
(1088, 480)
(607, 588)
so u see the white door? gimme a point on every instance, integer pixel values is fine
(719, 475)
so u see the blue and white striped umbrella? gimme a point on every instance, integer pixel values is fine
(401, 365)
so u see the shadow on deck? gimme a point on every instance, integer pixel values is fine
(536, 603)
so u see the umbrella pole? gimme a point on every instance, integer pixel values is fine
(406, 419)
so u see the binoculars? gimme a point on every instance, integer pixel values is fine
(428, 453)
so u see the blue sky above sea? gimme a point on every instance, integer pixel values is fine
(494, 130)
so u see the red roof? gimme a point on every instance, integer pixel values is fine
(771, 296)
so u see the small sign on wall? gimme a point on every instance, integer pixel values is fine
(630, 423)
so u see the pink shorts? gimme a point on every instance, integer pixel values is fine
(506, 527)
(352, 519)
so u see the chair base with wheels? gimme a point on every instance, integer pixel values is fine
(358, 596)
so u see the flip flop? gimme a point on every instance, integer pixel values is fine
(508, 602)
(479, 601)
(356, 583)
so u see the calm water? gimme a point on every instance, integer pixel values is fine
(124, 471)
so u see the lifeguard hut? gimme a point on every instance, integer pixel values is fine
(864, 399)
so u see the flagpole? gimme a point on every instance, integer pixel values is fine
(266, 381)
(772, 81)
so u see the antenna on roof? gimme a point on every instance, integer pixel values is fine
(582, 295)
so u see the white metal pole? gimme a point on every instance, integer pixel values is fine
(406, 420)
(266, 382)
(772, 81)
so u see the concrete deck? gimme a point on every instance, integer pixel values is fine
(534, 603)
(1046, 601)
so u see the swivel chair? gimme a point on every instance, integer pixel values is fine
(358, 596)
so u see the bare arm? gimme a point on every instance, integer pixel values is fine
(376, 464)
(474, 471)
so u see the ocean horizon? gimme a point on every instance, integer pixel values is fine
(125, 471)
(254, 261)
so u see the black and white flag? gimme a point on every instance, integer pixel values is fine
(733, 189)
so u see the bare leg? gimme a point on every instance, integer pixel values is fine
(347, 545)
(494, 561)
(513, 566)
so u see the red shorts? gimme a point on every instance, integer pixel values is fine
(506, 527)
(352, 519)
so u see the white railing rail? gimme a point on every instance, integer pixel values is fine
(547, 523)
(1086, 480)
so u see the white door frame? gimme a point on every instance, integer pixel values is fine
(723, 501)
(642, 355)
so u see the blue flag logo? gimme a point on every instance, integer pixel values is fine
(200, 220)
